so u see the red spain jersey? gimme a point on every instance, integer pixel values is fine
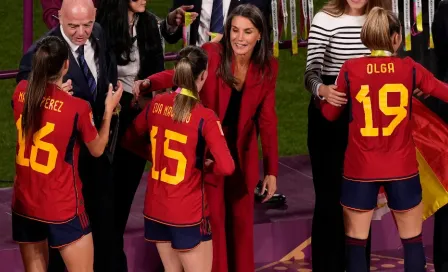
(47, 185)
(379, 90)
(175, 192)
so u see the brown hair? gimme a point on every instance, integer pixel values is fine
(261, 54)
(193, 61)
(48, 60)
(378, 29)
(337, 7)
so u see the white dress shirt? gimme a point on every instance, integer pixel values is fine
(89, 54)
(205, 19)
(127, 74)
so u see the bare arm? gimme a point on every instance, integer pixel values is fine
(96, 147)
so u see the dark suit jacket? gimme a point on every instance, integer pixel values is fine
(107, 71)
(440, 38)
(257, 113)
(263, 5)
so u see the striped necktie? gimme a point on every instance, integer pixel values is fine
(217, 19)
(86, 71)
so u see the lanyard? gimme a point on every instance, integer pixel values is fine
(294, 40)
(431, 11)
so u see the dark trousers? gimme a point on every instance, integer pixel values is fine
(98, 192)
(441, 240)
(327, 142)
(128, 171)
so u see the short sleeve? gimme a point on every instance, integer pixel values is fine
(86, 123)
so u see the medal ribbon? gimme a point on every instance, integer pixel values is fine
(275, 33)
(294, 40)
(407, 25)
(187, 29)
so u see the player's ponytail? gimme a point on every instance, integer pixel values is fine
(378, 29)
(192, 64)
(47, 64)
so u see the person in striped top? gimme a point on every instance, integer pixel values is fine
(334, 38)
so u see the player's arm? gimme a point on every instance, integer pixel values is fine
(97, 145)
(329, 111)
(156, 82)
(429, 84)
(136, 138)
(223, 163)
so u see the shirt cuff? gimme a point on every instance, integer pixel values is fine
(170, 29)
(316, 92)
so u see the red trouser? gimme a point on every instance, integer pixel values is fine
(232, 217)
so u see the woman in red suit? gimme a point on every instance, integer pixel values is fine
(241, 90)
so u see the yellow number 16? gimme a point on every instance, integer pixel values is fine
(37, 144)
(169, 153)
(400, 112)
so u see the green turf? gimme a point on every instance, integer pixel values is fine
(292, 99)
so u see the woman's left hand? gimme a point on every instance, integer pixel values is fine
(419, 93)
(269, 183)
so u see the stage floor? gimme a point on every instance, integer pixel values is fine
(282, 235)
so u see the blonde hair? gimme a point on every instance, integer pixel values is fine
(193, 61)
(337, 7)
(378, 29)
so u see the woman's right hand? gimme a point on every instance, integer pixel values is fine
(140, 85)
(332, 96)
(113, 98)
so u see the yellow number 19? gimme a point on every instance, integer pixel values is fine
(37, 144)
(169, 153)
(400, 112)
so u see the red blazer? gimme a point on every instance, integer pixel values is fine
(257, 110)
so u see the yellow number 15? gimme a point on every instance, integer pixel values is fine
(399, 112)
(169, 153)
(37, 144)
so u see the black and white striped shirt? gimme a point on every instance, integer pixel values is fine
(332, 41)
